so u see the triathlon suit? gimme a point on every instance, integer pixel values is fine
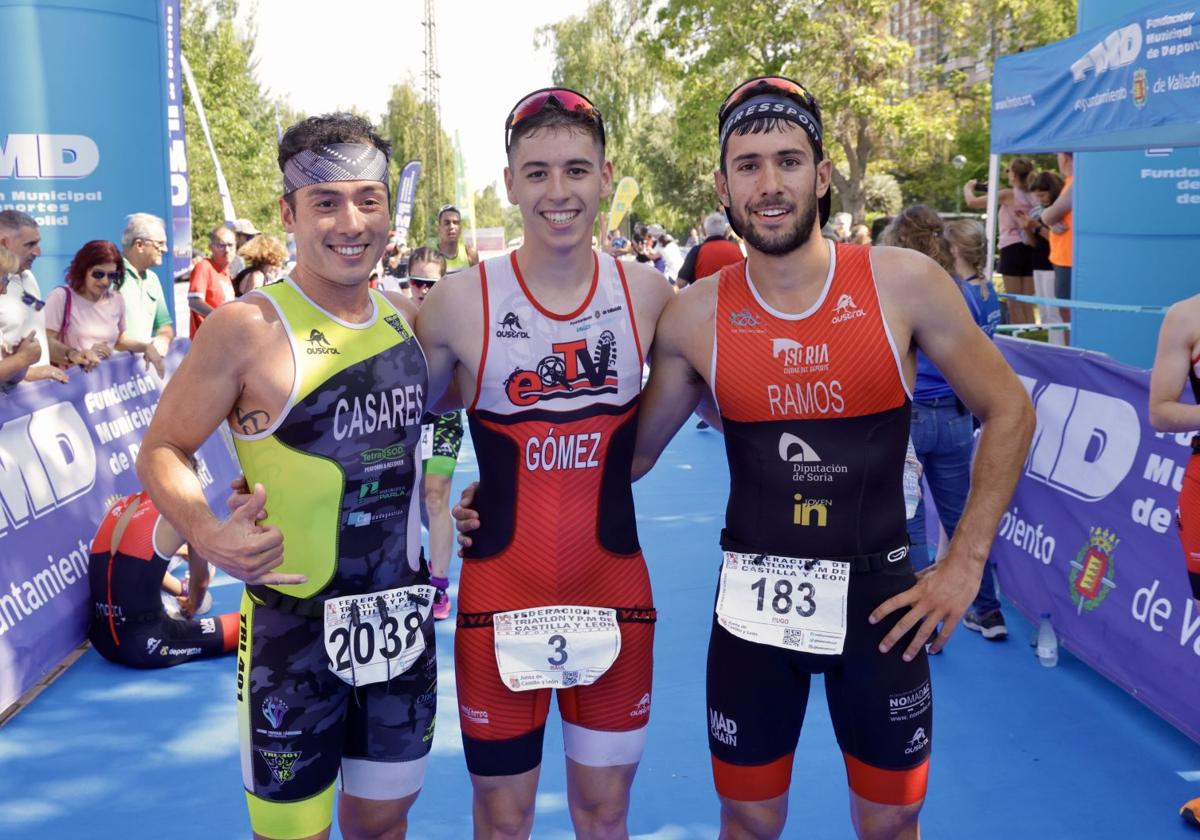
(816, 416)
(1189, 496)
(129, 624)
(460, 260)
(554, 423)
(446, 439)
(339, 469)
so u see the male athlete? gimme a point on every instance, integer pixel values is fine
(451, 245)
(324, 396)
(441, 440)
(809, 350)
(547, 344)
(1176, 363)
(127, 572)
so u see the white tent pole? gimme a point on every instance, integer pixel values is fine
(993, 204)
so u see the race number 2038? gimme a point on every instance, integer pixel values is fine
(787, 602)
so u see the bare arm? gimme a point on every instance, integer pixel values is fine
(196, 400)
(1176, 339)
(675, 387)
(979, 202)
(939, 323)
(198, 306)
(442, 315)
(1053, 214)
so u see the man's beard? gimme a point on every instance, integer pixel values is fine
(782, 243)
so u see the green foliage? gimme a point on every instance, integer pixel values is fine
(404, 124)
(488, 212)
(240, 117)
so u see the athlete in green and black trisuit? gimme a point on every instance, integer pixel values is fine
(324, 393)
(441, 441)
(451, 245)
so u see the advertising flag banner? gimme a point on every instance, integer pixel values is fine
(627, 191)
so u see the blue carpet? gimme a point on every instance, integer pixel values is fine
(1020, 751)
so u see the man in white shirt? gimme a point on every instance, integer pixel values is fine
(21, 299)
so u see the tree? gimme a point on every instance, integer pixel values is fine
(599, 54)
(240, 117)
(403, 124)
(488, 212)
(844, 55)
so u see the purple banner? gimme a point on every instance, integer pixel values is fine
(1090, 535)
(65, 452)
(180, 226)
(406, 191)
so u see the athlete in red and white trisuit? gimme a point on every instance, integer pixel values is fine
(810, 352)
(546, 345)
(1176, 365)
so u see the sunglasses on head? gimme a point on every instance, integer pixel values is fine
(766, 84)
(565, 98)
(97, 274)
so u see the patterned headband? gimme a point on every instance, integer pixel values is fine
(335, 162)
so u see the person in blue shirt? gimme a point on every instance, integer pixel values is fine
(943, 430)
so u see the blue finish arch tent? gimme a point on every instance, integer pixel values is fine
(1128, 87)
(83, 121)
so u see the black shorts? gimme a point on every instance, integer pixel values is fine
(299, 724)
(160, 644)
(881, 706)
(1016, 260)
(1062, 282)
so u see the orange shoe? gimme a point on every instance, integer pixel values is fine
(1191, 812)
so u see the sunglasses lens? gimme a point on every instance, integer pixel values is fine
(742, 92)
(569, 100)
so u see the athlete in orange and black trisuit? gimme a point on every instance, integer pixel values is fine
(809, 349)
(129, 625)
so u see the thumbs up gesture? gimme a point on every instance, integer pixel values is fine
(242, 547)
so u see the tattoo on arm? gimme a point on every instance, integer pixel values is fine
(252, 422)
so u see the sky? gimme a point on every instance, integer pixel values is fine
(352, 57)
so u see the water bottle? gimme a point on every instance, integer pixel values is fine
(1047, 642)
(912, 481)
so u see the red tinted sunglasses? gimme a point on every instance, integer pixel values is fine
(766, 84)
(565, 98)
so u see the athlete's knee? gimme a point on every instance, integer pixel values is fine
(761, 820)
(364, 819)
(600, 818)
(502, 813)
(873, 821)
(437, 495)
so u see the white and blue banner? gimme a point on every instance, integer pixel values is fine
(1090, 535)
(180, 224)
(74, 153)
(1131, 83)
(406, 192)
(65, 452)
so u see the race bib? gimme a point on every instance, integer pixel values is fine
(555, 647)
(426, 442)
(785, 602)
(372, 638)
